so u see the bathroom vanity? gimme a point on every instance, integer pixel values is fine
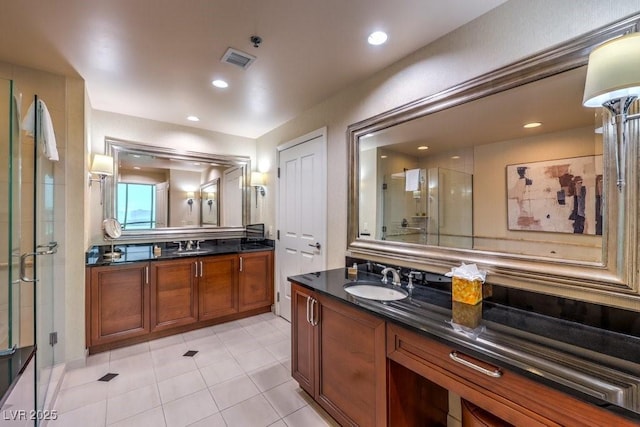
(393, 363)
(142, 296)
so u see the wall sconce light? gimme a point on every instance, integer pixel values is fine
(103, 167)
(211, 197)
(190, 196)
(257, 182)
(613, 82)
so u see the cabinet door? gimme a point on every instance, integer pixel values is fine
(256, 280)
(174, 293)
(118, 302)
(351, 364)
(303, 339)
(218, 286)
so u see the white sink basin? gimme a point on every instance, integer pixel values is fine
(375, 291)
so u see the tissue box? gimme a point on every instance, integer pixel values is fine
(466, 291)
(466, 314)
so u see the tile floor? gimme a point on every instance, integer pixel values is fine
(240, 376)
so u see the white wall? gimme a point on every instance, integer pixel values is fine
(515, 30)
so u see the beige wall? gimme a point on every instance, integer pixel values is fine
(65, 98)
(516, 29)
(490, 206)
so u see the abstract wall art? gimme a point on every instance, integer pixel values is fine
(560, 196)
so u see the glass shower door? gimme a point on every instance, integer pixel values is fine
(46, 247)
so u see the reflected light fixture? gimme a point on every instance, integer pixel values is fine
(532, 125)
(257, 182)
(102, 166)
(211, 196)
(613, 82)
(190, 196)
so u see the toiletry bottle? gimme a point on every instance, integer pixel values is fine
(353, 271)
(157, 251)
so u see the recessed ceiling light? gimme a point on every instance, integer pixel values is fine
(377, 38)
(455, 157)
(193, 119)
(423, 147)
(220, 83)
(532, 125)
(137, 168)
(383, 157)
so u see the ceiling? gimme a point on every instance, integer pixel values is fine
(156, 59)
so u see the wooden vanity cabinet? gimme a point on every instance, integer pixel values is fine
(217, 290)
(255, 281)
(338, 357)
(118, 303)
(512, 398)
(134, 302)
(174, 293)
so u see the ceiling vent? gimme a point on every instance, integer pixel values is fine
(238, 58)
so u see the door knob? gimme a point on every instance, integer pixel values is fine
(317, 245)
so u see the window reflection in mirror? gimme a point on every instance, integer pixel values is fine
(441, 179)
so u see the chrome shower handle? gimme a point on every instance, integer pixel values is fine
(48, 249)
(23, 267)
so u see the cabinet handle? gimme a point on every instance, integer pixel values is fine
(314, 321)
(308, 301)
(495, 373)
(240, 263)
(146, 274)
(201, 269)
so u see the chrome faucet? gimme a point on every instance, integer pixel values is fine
(395, 275)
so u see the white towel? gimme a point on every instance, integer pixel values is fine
(46, 134)
(412, 180)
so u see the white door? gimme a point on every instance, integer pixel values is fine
(162, 204)
(232, 197)
(302, 212)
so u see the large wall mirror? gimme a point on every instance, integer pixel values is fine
(507, 170)
(161, 190)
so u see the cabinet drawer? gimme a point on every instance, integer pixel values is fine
(511, 397)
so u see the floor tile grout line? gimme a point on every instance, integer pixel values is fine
(263, 323)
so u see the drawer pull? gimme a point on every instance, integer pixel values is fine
(495, 373)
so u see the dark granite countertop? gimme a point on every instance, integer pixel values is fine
(10, 369)
(596, 364)
(135, 252)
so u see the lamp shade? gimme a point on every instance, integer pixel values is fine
(613, 71)
(257, 179)
(102, 165)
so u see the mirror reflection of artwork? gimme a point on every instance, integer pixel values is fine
(561, 196)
